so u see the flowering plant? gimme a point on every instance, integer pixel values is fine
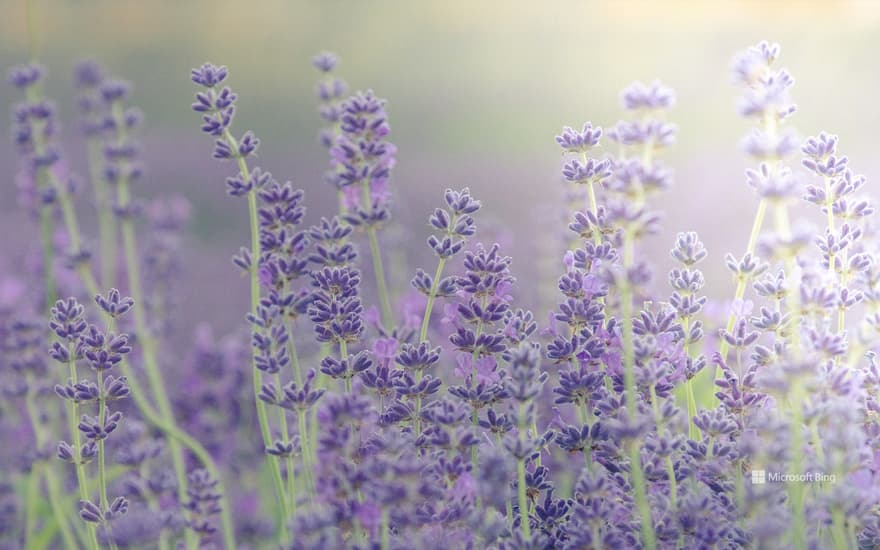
(630, 419)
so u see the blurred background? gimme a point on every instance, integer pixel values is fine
(476, 93)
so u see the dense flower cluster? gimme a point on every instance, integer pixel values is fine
(629, 420)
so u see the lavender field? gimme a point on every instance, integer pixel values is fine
(383, 276)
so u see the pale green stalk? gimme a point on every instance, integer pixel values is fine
(378, 269)
(769, 124)
(46, 470)
(32, 499)
(343, 354)
(56, 489)
(291, 473)
(358, 528)
(670, 468)
(45, 177)
(584, 417)
(474, 417)
(72, 418)
(294, 356)
(197, 449)
(795, 490)
(521, 477)
(385, 530)
(153, 505)
(423, 333)
(107, 235)
(838, 520)
(309, 460)
(594, 206)
(638, 477)
(170, 429)
(262, 417)
(102, 473)
(508, 505)
(154, 418)
(148, 352)
(742, 281)
(432, 295)
(305, 445)
(693, 431)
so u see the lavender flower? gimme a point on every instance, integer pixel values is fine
(628, 420)
(101, 351)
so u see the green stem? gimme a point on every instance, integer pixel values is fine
(475, 464)
(838, 529)
(48, 254)
(385, 537)
(384, 298)
(53, 485)
(594, 205)
(153, 504)
(644, 510)
(154, 377)
(638, 477)
(670, 467)
(521, 479)
(102, 472)
(742, 281)
(626, 296)
(294, 356)
(796, 490)
(343, 354)
(378, 269)
(106, 218)
(423, 336)
(291, 473)
(72, 419)
(42, 470)
(693, 431)
(262, 417)
(44, 177)
(584, 417)
(432, 295)
(306, 448)
(841, 311)
(32, 499)
(197, 449)
(148, 352)
(301, 420)
(507, 504)
(170, 429)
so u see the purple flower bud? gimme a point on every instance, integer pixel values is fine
(114, 305)
(654, 96)
(573, 141)
(209, 75)
(90, 512)
(325, 61)
(25, 76)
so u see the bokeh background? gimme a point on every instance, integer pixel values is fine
(476, 90)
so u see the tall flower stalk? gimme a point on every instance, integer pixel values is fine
(363, 159)
(218, 106)
(88, 78)
(33, 137)
(101, 351)
(765, 99)
(637, 175)
(369, 444)
(455, 225)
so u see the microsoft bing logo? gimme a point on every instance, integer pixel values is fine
(759, 477)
